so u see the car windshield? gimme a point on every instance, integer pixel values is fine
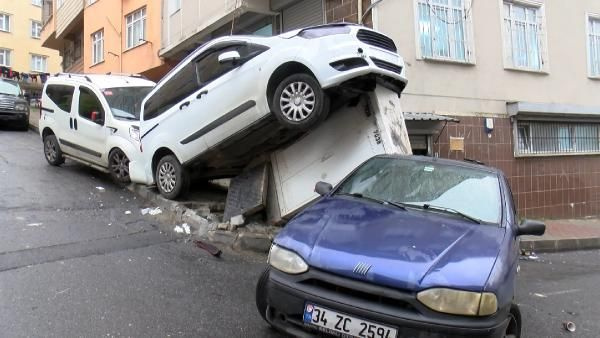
(9, 88)
(126, 102)
(429, 185)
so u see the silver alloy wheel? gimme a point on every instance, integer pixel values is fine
(166, 177)
(50, 150)
(297, 101)
(119, 165)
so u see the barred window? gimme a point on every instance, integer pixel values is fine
(524, 36)
(444, 28)
(555, 138)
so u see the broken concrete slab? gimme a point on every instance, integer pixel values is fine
(253, 242)
(247, 192)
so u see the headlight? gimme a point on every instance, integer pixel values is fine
(459, 302)
(134, 133)
(20, 106)
(286, 261)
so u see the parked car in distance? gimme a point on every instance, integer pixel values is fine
(405, 246)
(212, 111)
(13, 106)
(93, 119)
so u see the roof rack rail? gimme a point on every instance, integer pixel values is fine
(473, 161)
(128, 74)
(74, 74)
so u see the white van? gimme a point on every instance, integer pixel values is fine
(213, 113)
(94, 120)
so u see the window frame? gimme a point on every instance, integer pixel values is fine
(541, 34)
(589, 17)
(39, 32)
(44, 62)
(468, 31)
(6, 51)
(97, 43)
(6, 22)
(130, 25)
(556, 142)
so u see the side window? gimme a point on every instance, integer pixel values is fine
(209, 68)
(90, 104)
(61, 95)
(181, 85)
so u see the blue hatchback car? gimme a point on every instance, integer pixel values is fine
(405, 246)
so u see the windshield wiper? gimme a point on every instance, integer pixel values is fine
(446, 210)
(376, 200)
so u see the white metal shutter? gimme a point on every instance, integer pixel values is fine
(303, 14)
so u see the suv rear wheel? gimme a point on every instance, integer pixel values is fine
(118, 166)
(52, 151)
(299, 102)
(171, 178)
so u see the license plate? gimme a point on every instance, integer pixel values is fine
(341, 324)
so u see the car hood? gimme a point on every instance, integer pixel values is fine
(409, 250)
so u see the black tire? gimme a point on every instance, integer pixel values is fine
(261, 294)
(513, 330)
(52, 151)
(24, 126)
(171, 178)
(307, 103)
(118, 166)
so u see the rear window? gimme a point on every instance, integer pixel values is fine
(61, 95)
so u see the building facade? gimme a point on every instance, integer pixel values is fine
(101, 36)
(21, 48)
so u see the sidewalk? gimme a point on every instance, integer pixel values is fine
(565, 234)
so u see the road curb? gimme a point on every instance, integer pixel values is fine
(563, 244)
(176, 213)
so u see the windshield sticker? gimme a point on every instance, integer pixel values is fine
(428, 169)
(107, 93)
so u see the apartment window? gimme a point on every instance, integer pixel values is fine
(524, 36)
(98, 47)
(5, 57)
(445, 30)
(554, 138)
(39, 63)
(136, 28)
(36, 28)
(5, 22)
(174, 6)
(36, 3)
(594, 46)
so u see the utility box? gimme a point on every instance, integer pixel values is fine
(331, 151)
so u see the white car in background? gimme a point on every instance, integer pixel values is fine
(236, 97)
(93, 119)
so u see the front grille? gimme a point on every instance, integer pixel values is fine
(387, 65)
(359, 294)
(377, 40)
(7, 104)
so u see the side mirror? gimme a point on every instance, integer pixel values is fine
(230, 56)
(531, 227)
(323, 188)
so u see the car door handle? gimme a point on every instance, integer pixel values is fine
(70, 123)
(75, 123)
(183, 105)
(204, 92)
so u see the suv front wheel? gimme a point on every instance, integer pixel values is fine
(171, 178)
(299, 102)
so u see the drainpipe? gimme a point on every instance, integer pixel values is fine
(360, 11)
(121, 41)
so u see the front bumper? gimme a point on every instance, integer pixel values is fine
(14, 115)
(287, 295)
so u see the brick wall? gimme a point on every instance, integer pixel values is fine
(543, 187)
(346, 11)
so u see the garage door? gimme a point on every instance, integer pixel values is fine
(302, 14)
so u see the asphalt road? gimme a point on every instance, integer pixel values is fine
(73, 263)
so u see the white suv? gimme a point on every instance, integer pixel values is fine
(211, 114)
(93, 119)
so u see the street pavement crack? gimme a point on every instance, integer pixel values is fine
(29, 257)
